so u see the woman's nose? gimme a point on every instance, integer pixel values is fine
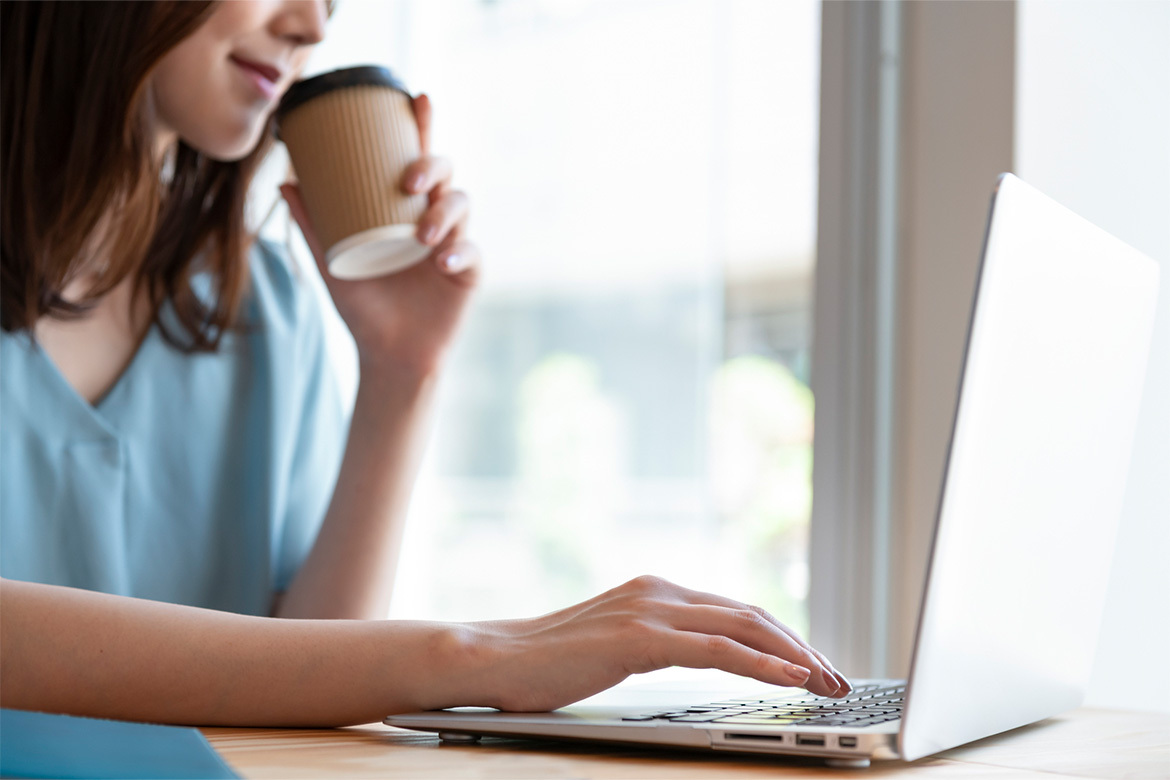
(302, 21)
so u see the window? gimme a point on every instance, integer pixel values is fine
(630, 390)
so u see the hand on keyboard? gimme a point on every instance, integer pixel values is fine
(646, 624)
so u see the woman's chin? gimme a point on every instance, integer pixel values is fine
(228, 148)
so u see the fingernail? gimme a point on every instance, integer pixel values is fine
(429, 234)
(453, 263)
(830, 681)
(848, 686)
(416, 182)
(798, 673)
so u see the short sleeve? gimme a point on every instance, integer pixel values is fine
(317, 414)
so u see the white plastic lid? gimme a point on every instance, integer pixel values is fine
(379, 251)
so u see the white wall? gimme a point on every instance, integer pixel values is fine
(1093, 131)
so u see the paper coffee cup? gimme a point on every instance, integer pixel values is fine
(351, 134)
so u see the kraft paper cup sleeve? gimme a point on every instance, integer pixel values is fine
(350, 135)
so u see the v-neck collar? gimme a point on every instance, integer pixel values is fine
(99, 413)
(109, 402)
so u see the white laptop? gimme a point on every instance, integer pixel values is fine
(1033, 489)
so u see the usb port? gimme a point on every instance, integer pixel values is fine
(847, 741)
(809, 739)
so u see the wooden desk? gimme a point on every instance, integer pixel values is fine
(1085, 743)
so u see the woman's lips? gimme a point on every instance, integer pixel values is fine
(263, 77)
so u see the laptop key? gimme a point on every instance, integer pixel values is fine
(868, 721)
(696, 718)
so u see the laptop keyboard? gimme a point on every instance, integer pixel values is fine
(868, 705)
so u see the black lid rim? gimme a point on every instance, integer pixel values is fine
(359, 76)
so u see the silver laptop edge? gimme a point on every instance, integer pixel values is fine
(1035, 475)
(1031, 496)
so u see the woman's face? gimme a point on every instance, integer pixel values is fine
(216, 88)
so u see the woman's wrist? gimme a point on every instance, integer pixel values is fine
(462, 666)
(383, 372)
(391, 393)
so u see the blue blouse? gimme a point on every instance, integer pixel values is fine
(198, 479)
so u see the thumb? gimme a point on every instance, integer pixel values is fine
(296, 207)
(421, 106)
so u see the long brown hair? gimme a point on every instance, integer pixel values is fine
(80, 173)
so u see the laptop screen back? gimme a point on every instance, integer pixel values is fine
(1036, 475)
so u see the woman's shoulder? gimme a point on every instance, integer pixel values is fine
(288, 300)
(280, 289)
(294, 324)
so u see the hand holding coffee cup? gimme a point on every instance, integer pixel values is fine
(351, 134)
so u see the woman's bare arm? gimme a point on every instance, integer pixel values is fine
(350, 571)
(85, 653)
(402, 325)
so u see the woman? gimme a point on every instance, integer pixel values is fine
(178, 483)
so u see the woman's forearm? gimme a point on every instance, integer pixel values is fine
(85, 653)
(350, 571)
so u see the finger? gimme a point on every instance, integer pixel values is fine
(707, 651)
(749, 628)
(460, 260)
(426, 173)
(421, 105)
(841, 685)
(443, 217)
(846, 686)
(699, 597)
(296, 207)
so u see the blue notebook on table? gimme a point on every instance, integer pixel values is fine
(37, 744)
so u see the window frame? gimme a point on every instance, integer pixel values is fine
(917, 117)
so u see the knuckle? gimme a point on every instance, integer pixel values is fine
(763, 613)
(647, 583)
(750, 619)
(719, 645)
(762, 664)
